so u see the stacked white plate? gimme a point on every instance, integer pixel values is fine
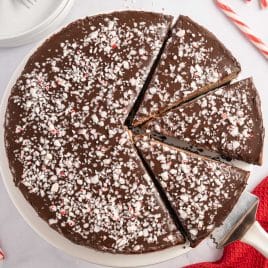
(22, 22)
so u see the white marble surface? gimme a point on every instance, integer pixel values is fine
(23, 247)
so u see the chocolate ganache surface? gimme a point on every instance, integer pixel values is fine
(227, 120)
(71, 150)
(202, 191)
(193, 62)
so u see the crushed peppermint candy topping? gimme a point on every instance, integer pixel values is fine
(192, 62)
(68, 149)
(227, 120)
(202, 191)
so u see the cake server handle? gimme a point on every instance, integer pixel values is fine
(257, 237)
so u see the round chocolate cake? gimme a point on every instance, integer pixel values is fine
(69, 144)
(68, 149)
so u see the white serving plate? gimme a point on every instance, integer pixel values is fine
(20, 25)
(52, 236)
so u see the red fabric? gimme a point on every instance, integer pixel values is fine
(238, 254)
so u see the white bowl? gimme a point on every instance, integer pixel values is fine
(20, 25)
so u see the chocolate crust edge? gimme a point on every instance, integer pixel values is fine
(257, 101)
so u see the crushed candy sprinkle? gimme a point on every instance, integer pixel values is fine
(193, 62)
(227, 120)
(202, 191)
(69, 152)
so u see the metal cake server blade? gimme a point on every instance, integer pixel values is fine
(241, 225)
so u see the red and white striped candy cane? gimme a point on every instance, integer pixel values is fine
(232, 15)
(2, 256)
(264, 3)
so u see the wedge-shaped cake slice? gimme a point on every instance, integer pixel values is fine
(227, 120)
(201, 191)
(194, 61)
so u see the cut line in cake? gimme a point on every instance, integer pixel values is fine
(201, 191)
(193, 62)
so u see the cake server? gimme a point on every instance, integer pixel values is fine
(241, 225)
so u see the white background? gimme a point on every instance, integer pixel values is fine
(24, 248)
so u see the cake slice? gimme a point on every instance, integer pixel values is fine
(193, 62)
(227, 121)
(201, 191)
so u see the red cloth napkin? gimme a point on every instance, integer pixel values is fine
(238, 254)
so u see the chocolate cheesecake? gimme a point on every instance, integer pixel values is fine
(193, 62)
(227, 121)
(68, 150)
(201, 191)
(74, 159)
